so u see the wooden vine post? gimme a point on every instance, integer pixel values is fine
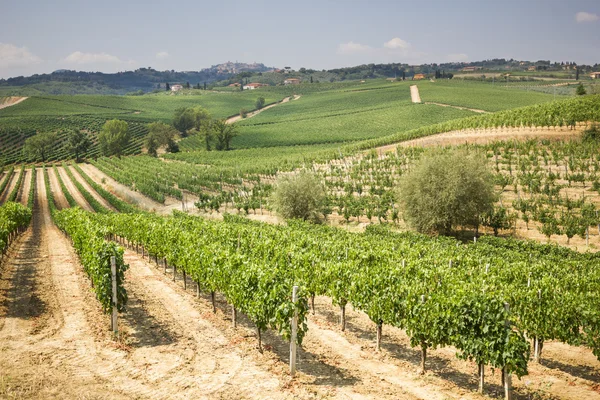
(113, 269)
(293, 338)
(507, 377)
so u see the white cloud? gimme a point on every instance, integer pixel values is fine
(161, 55)
(583, 16)
(397, 44)
(457, 57)
(92, 58)
(352, 48)
(13, 56)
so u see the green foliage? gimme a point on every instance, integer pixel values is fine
(77, 143)
(114, 201)
(15, 192)
(260, 103)
(38, 146)
(114, 137)
(95, 253)
(447, 190)
(13, 216)
(223, 133)
(160, 134)
(299, 196)
(580, 91)
(498, 218)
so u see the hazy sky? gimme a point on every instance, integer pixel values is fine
(106, 35)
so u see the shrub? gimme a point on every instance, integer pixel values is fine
(447, 190)
(300, 196)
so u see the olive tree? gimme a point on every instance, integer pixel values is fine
(113, 137)
(446, 190)
(300, 196)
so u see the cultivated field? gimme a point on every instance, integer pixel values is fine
(206, 295)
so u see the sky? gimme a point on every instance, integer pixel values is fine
(40, 36)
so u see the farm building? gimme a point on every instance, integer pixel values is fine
(234, 84)
(291, 81)
(252, 86)
(418, 76)
(595, 75)
(176, 88)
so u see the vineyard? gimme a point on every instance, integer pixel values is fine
(208, 302)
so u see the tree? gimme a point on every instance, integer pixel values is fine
(167, 86)
(40, 145)
(576, 74)
(186, 119)
(311, 79)
(300, 196)
(580, 91)
(223, 132)
(78, 143)
(187, 85)
(447, 190)
(260, 103)
(159, 134)
(113, 137)
(498, 218)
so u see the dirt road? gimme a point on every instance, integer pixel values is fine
(414, 94)
(237, 118)
(54, 340)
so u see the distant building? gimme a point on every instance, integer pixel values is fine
(418, 77)
(470, 69)
(252, 86)
(291, 81)
(532, 68)
(237, 84)
(595, 75)
(176, 88)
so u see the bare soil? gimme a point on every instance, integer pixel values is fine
(11, 184)
(59, 196)
(77, 196)
(11, 101)
(484, 136)
(23, 196)
(457, 107)
(91, 190)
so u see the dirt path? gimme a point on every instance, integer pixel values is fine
(11, 101)
(11, 185)
(484, 136)
(414, 94)
(237, 118)
(23, 195)
(91, 190)
(59, 196)
(79, 199)
(54, 341)
(457, 107)
(566, 372)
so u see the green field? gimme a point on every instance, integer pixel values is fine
(324, 114)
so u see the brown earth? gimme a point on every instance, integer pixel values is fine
(11, 101)
(11, 184)
(91, 190)
(484, 136)
(75, 193)
(23, 195)
(59, 196)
